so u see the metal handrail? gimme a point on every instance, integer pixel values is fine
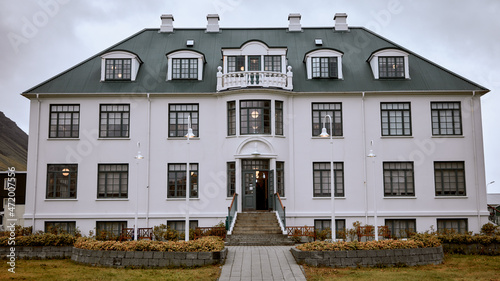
(280, 209)
(231, 211)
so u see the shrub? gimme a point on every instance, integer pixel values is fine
(205, 244)
(165, 233)
(321, 235)
(489, 229)
(19, 231)
(43, 239)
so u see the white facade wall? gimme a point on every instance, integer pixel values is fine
(363, 180)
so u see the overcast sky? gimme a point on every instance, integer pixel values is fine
(41, 38)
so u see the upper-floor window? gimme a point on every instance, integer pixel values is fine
(114, 121)
(322, 179)
(61, 181)
(231, 118)
(446, 118)
(324, 63)
(398, 179)
(272, 63)
(255, 117)
(64, 120)
(185, 69)
(235, 63)
(395, 118)
(449, 178)
(254, 56)
(319, 117)
(324, 67)
(112, 181)
(185, 64)
(278, 117)
(391, 67)
(177, 180)
(119, 66)
(178, 119)
(389, 64)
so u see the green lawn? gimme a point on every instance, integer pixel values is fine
(60, 270)
(455, 267)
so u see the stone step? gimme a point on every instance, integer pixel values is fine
(258, 240)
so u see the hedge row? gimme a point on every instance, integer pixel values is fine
(469, 239)
(45, 239)
(205, 244)
(419, 241)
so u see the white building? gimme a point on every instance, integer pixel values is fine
(257, 99)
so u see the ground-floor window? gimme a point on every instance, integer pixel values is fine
(179, 226)
(110, 229)
(280, 178)
(231, 178)
(60, 227)
(452, 226)
(320, 225)
(401, 228)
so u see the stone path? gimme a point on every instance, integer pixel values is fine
(260, 263)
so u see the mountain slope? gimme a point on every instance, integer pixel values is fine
(13, 145)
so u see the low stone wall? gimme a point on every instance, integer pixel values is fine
(147, 259)
(38, 252)
(472, 249)
(370, 258)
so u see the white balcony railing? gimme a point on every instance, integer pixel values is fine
(246, 79)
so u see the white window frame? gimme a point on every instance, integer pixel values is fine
(373, 60)
(185, 54)
(255, 48)
(324, 53)
(136, 63)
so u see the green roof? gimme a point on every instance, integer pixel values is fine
(357, 45)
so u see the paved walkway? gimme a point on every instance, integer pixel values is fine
(260, 263)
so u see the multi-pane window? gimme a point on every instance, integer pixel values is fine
(322, 182)
(398, 179)
(449, 178)
(320, 111)
(60, 226)
(272, 63)
(396, 119)
(278, 117)
(112, 181)
(253, 63)
(64, 120)
(179, 226)
(177, 180)
(325, 67)
(235, 63)
(452, 225)
(320, 225)
(401, 228)
(280, 178)
(112, 229)
(255, 117)
(184, 68)
(114, 121)
(118, 69)
(231, 178)
(446, 118)
(178, 119)
(391, 67)
(61, 181)
(231, 118)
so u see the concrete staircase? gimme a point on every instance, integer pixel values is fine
(257, 229)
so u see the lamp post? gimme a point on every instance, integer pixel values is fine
(372, 155)
(137, 157)
(324, 134)
(188, 136)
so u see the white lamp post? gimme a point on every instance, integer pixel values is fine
(137, 157)
(324, 134)
(372, 155)
(188, 136)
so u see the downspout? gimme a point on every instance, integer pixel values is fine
(364, 155)
(148, 172)
(36, 161)
(474, 144)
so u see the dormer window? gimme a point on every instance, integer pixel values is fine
(391, 67)
(118, 69)
(389, 64)
(119, 66)
(185, 64)
(324, 63)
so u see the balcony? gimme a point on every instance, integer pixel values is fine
(247, 79)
